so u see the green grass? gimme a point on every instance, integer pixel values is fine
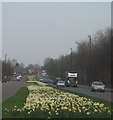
(20, 97)
(17, 100)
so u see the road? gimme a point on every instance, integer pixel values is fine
(87, 91)
(10, 88)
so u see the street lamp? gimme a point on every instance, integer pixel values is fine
(71, 58)
(56, 68)
(62, 67)
(89, 40)
(90, 59)
(5, 66)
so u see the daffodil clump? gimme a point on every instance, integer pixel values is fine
(31, 78)
(53, 101)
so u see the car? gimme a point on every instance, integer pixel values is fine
(56, 80)
(98, 86)
(41, 79)
(47, 81)
(18, 78)
(51, 81)
(60, 83)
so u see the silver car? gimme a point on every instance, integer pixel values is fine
(61, 83)
(98, 86)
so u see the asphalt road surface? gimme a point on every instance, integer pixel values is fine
(10, 88)
(107, 95)
(87, 91)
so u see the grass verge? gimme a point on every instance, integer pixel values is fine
(17, 100)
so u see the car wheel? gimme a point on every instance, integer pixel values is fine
(92, 90)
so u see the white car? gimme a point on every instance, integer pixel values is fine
(18, 78)
(61, 83)
(41, 79)
(98, 86)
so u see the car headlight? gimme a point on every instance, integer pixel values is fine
(95, 87)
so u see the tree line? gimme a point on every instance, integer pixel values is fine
(10, 67)
(91, 60)
(7, 68)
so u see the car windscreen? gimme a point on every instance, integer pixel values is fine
(99, 83)
(60, 81)
(72, 79)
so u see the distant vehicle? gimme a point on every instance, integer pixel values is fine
(41, 79)
(56, 80)
(51, 81)
(18, 78)
(71, 79)
(14, 73)
(47, 80)
(98, 86)
(60, 83)
(44, 74)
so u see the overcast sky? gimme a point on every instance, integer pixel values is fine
(32, 32)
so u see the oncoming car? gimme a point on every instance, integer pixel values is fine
(61, 83)
(18, 77)
(98, 86)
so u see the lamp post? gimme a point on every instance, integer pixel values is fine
(90, 78)
(5, 66)
(62, 68)
(89, 40)
(71, 58)
(56, 68)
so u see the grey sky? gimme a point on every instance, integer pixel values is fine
(34, 31)
(0, 30)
